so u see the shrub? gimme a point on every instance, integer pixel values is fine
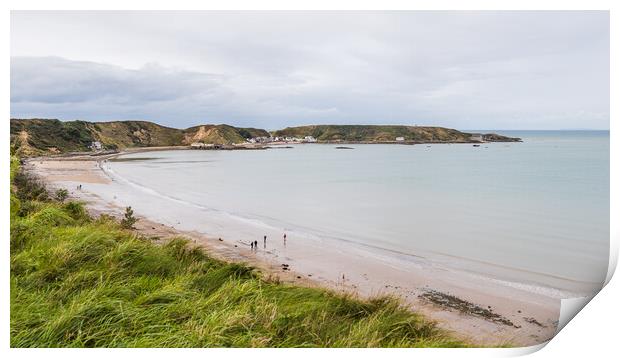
(106, 219)
(28, 187)
(62, 195)
(15, 206)
(76, 211)
(128, 220)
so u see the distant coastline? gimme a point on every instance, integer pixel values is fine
(36, 137)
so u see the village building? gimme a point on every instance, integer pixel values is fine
(476, 137)
(400, 139)
(261, 140)
(200, 145)
(96, 145)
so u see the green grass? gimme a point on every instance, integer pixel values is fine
(374, 133)
(31, 137)
(80, 282)
(384, 133)
(44, 134)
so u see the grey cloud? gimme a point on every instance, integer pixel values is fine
(274, 69)
(57, 80)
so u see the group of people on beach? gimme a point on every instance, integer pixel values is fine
(254, 244)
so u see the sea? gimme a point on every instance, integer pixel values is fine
(532, 213)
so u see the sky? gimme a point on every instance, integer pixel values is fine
(457, 69)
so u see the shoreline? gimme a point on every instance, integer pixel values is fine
(104, 154)
(485, 315)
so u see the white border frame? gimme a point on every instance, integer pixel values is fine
(592, 331)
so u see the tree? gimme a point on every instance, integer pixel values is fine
(128, 221)
(61, 195)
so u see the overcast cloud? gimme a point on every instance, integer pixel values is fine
(466, 70)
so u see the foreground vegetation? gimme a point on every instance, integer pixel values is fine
(83, 282)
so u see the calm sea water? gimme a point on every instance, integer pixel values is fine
(538, 207)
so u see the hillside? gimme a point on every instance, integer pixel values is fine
(124, 134)
(48, 136)
(34, 136)
(383, 133)
(221, 134)
(45, 136)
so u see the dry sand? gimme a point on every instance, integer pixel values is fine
(481, 312)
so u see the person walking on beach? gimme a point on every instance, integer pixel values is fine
(255, 245)
(252, 245)
(284, 239)
(265, 242)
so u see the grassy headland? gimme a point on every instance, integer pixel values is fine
(384, 133)
(48, 136)
(77, 281)
(31, 137)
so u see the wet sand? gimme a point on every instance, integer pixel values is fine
(482, 312)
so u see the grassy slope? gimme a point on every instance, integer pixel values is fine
(49, 135)
(221, 134)
(43, 136)
(378, 133)
(123, 134)
(374, 133)
(79, 282)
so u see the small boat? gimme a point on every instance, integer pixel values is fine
(476, 145)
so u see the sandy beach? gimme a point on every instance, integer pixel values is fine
(483, 312)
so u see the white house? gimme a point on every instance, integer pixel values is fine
(400, 139)
(96, 145)
(309, 139)
(476, 137)
(262, 139)
(200, 145)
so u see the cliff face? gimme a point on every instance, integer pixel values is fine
(126, 134)
(220, 134)
(44, 136)
(383, 133)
